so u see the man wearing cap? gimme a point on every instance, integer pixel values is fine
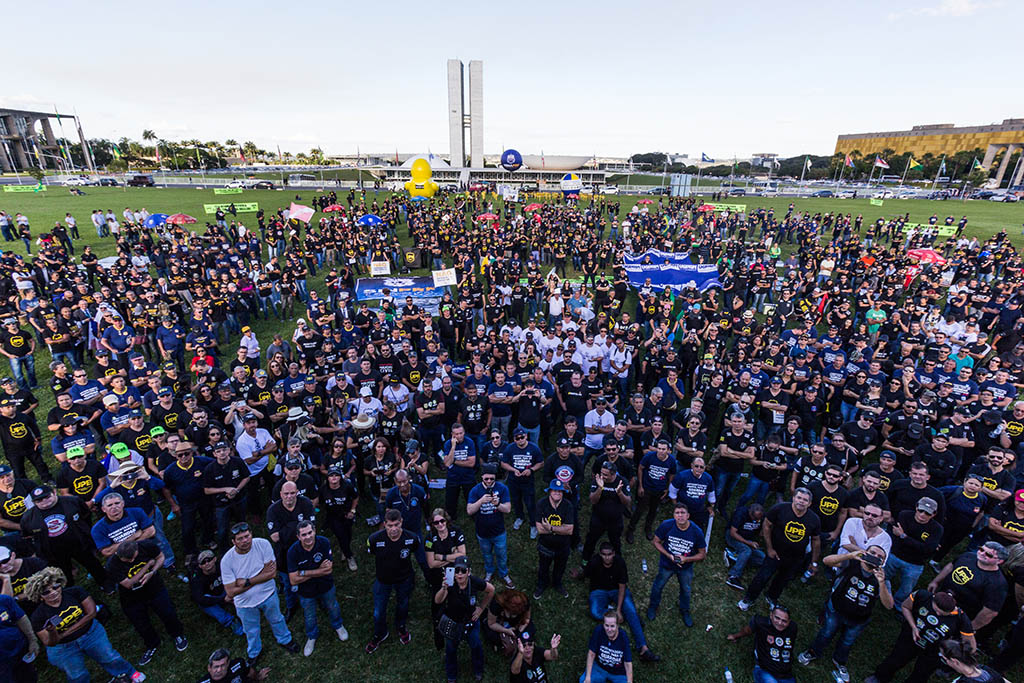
(115, 416)
(15, 499)
(556, 519)
(489, 502)
(225, 480)
(254, 446)
(81, 476)
(136, 487)
(168, 412)
(58, 526)
(139, 370)
(170, 341)
(118, 339)
(916, 536)
(19, 348)
(20, 437)
(520, 460)
(184, 478)
(310, 568)
(339, 499)
(207, 590)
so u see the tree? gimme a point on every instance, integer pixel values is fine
(149, 136)
(250, 148)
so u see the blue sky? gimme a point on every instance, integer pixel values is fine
(612, 78)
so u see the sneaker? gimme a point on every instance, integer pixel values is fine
(488, 576)
(182, 577)
(342, 633)
(170, 516)
(138, 677)
(649, 656)
(728, 558)
(562, 591)
(516, 524)
(537, 593)
(841, 672)
(181, 643)
(147, 656)
(688, 620)
(404, 637)
(533, 532)
(374, 643)
(806, 657)
(509, 583)
(649, 535)
(290, 646)
(734, 583)
(307, 649)
(352, 566)
(936, 567)
(769, 602)
(743, 605)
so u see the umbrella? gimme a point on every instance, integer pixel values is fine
(370, 219)
(926, 256)
(645, 201)
(155, 220)
(419, 199)
(534, 207)
(487, 217)
(181, 219)
(706, 207)
(333, 207)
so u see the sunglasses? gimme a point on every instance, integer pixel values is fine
(461, 570)
(208, 560)
(439, 522)
(239, 528)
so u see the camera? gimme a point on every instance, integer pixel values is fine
(871, 560)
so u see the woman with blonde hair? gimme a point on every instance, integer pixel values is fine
(65, 622)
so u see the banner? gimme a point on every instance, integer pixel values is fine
(666, 269)
(421, 289)
(723, 207)
(946, 230)
(509, 193)
(241, 207)
(227, 190)
(877, 202)
(380, 267)
(445, 277)
(24, 188)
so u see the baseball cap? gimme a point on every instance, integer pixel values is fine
(157, 431)
(888, 455)
(250, 417)
(519, 431)
(164, 391)
(169, 365)
(75, 452)
(292, 464)
(928, 505)
(461, 562)
(206, 555)
(563, 443)
(110, 400)
(1019, 495)
(336, 469)
(5, 469)
(219, 445)
(412, 445)
(5, 553)
(366, 391)
(40, 492)
(120, 450)
(68, 420)
(261, 373)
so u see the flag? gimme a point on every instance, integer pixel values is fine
(942, 167)
(705, 158)
(848, 162)
(807, 163)
(158, 152)
(116, 151)
(976, 164)
(776, 163)
(300, 212)
(912, 165)
(198, 160)
(880, 162)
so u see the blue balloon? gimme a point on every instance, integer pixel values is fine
(155, 220)
(511, 160)
(370, 220)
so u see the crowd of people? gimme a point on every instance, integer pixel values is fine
(835, 414)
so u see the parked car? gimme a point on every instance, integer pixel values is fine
(737, 192)
(587, 189)
(75, 182)
(661, 191)
(981, 194)
(261, 185)
(846, 194)
(1004, 197)
(237, 183)
(883, 194)
(140, 180)
(610, 189)
(109, 182)
(823, 193)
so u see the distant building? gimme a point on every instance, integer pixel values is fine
(945, 139)
(28, 141)
(459, 119)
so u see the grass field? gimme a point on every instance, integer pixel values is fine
(689, 654)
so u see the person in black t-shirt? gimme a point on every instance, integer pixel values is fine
(528, 663)
(135, 567)
(310, 568)
(338, 499)
(977, 582)
(221, 668)
(283, 519)
(556, 519)
(460, 604)
(393, 549)
(774, 639)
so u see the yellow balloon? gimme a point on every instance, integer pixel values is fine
(421, 185)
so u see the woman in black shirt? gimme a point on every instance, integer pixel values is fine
(458, 597)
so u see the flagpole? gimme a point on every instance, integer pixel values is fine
(697, 191)
(905, 169)
(63, 147)
(941, 165)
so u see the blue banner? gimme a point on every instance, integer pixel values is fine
(668, 269)
(421, 289)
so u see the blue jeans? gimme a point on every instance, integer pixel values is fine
(684, 575)
(599, 675)
(224, 618)
(287, 590)
(908, 575)
(329, 601)
(533, 434)
(250, 617)
(66, 357)
(603, 600)
(725, 482)
(523, 495)
(757, 491)
(833, 623)
(161, 537)
(762, 676)
(381, 595)
(24, 371)
(744, 555)
(495, 552)
(70, 657)
(502, 424)
(476, 651)
(848, 411)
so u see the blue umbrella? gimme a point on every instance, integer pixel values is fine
(155, 220)
(370, 220)
(419, 199)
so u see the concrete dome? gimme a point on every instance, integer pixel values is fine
(432, 159)
(554, 162)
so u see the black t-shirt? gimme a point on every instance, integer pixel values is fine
(855, 592)
(13, 502)
(285, 522)
(217, 476)
(791, 533)
(773, 649)
(300, 559)
(442, 546)
(858, 499)
(64, 616)
(533, 672)
(460, 603)
(238, 672)
(609, 508)
(975, 588)
(83, 484)
(29, 566)
(828, 505)
(337, 502)
(934, 627)
(562, 515)
(394, 558)
(736, 443)
(120, 570)
(604, 578)
(919, 542)
(887, 478)
(903, 497)
(746, 526)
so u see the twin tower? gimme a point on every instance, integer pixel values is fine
(466, 113)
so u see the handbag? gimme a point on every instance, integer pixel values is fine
(449, 628)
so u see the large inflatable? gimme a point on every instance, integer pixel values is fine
(511, 160)
(570, 184)
(421, 185)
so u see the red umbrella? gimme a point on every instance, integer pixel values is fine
(333, 207)
(706, 207)
(487, 217)
(180, 219)
(645, 201)
(534, 206)
(923, 256)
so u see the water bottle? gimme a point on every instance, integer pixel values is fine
(728, 675)
(643, 565)
(806, 577)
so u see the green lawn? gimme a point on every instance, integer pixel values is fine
(690, 654)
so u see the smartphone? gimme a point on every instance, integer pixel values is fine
(871, 560)
(449, 576)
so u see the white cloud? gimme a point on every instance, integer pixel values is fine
(947, 8)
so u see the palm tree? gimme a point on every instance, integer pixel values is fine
(250, 149)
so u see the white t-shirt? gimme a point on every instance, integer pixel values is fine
(854, 526)
(247, 446)
(238, 566)
(623, 359)
(593, 419)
